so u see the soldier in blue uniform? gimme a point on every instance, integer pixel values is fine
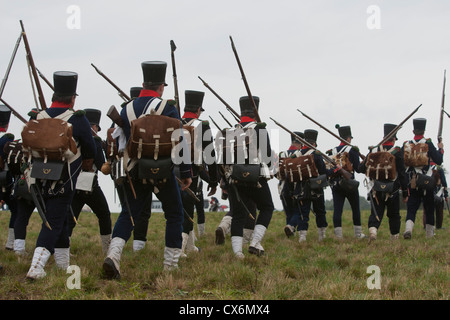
(419, 171)
(94, 197)
(241, 194)
(346, 189)
(390, 201)
(203, 142)
(168, 193)
(6, 178)
(287, 188)
(308, 197)
(58, 196)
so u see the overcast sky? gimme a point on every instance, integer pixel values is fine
(358, 63)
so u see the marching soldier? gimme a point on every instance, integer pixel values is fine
(287, 190)
(6, 178)
(418, 153)
(57, 196)
(346, 189)
(202, 140)
(307, 196)
(440, 195)
(93, 195)
(249, 186)
(387, 196)
(167, 192)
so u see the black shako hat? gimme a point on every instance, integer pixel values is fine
(65, 83)
(311, 135)
(154, 72)
(135, 92)
(294, 138)
(344, 131)
(419, 124)
(194, 100)
(246, 105)
(5, 115)
(93, 116)
(388, 127)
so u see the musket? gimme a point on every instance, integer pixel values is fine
(343, 172)
(122, 94)
(2, 87)
(331, 132)
(173, 47)
(114, 115)
(226, 119)
(441, 116)
(189, 191)
(33, 69)
(45, 80)
(217, 126)
(255, 109)
(397, 128)
(234, 116)
(13, 111)
(220, 98)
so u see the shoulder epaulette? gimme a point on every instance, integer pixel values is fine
(205, 122)
(317, 152)
(98, 138)
(428, 140)
(329, 152)
(171, 102)
(9, 136)
(261, 125)
(79, 113)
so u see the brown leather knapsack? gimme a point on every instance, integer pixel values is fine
(381, 165)
(49, 138)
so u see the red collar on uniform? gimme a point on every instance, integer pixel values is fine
(388, 143)
(56, 104)
(305, 147)
(148, 93)
(2, 129)
(190, 115)
(246, 119)
(292, 147)
(343, 144)
(416, 137)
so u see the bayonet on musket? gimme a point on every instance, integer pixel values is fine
(45, 80)
(122, 94)
(441, 116)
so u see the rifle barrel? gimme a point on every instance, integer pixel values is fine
(33, 68)
(331, 132)
(173, 47)
(13, 111)
(397, 128)
(441, 116)
(255, 109)
(122, 94)
(219, 97)
(13, 56)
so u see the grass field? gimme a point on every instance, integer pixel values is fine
(416, 269)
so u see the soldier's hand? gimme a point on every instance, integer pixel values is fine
(405, 200)
(440, 145)
(213, 190)
(185, 183)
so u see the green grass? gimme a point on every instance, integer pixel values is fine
(329, 270)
